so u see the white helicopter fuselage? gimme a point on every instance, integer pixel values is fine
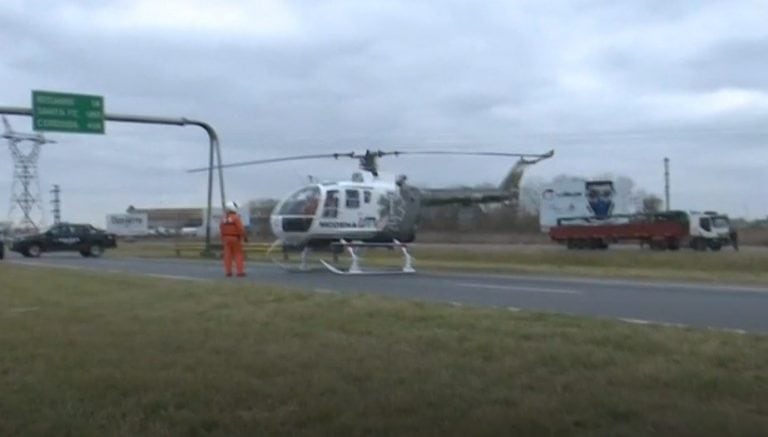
(366, 208)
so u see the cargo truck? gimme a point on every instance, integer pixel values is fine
(669, 230)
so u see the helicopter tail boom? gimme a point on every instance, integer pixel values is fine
(507, 191)
(464, 196)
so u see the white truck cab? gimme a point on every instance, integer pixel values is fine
(711, 230)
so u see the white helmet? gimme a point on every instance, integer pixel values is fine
(232, 206)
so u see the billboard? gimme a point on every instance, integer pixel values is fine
(130, 224)
(591, 200)
(600, 197)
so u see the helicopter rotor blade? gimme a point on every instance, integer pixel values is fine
(271, 160)
(374, 154)
(449, 152)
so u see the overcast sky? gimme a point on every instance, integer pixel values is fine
(613, 87)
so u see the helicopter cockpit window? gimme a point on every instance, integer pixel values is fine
(367, 196)
(331, 205)
(302, 202)
(353, 199)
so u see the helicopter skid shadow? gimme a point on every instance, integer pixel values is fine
(350, 272)
(296, 267)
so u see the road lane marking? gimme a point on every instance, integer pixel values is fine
(639, 283)
(651, 322)
(176, 277)
(680, 325)
(526, 289)
(731, 330)
(112, 271)
(19, 310)
(42, 264)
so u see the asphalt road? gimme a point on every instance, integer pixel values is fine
(718, 306)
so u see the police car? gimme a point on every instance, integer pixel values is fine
(63, 237)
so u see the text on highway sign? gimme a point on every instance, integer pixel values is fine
(62, 112)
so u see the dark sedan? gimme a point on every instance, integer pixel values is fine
(82, 238)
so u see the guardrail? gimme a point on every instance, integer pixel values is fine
(250, 249)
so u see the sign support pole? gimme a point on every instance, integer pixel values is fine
(214, 150)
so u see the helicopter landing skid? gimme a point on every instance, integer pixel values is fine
(302, 267)
(355, 269)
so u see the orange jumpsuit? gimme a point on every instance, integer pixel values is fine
(232, 236)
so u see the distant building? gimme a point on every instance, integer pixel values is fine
(182, 221)
(128, 225)
(170, 218)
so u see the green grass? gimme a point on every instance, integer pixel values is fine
(747, 266)
(96, 354)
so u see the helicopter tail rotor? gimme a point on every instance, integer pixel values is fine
(515, 175)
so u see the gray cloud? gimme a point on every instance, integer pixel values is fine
(613, 87)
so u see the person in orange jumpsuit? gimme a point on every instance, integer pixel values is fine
(232, 237)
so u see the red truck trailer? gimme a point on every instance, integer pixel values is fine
(665, 230)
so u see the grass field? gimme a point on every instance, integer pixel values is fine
(746, 266)
(95, 354)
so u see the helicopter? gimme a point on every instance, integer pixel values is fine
(372, 209)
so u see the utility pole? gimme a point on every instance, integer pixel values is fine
(56, 202)
(666, 183)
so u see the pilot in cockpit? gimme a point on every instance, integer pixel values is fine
(311, 204)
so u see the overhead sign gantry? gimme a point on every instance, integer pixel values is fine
(80, 113)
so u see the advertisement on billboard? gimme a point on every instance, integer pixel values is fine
(128, 225)
(579, 198)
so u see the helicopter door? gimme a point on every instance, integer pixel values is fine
(358, 209)
(331, 204)
(368, 211)
(352, 199)
(352, 215)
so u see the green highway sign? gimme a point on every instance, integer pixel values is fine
(61, 112)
